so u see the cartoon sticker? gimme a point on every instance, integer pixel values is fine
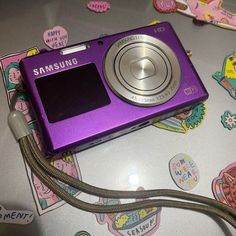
(15, 216)
(9, 66)
(57, 37)
(138, 222)
(228, 120)
(184, 171)
(45, 199)
(184, 121)
(165, 6)
(210, 11)
(224, 186)
(227, 77)
(99, 6)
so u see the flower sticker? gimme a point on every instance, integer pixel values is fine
(228, 120)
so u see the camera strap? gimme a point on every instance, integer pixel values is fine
(45, 172)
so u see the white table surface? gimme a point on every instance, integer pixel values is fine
(145, 152)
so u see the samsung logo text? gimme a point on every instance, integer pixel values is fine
(55, 66)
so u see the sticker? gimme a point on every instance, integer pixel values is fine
(99, 6)
(184, 171)
(228, 120)
(138, 222)
(56, 37)
(224, 186)
(165, 6)
(82, 233)
(15, 216)
(44, 198)
(10, 69)
(184, 121)
(210, 11)
(227, 77)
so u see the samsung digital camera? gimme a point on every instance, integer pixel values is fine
(97, 90)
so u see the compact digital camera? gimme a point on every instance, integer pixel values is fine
(94, 91)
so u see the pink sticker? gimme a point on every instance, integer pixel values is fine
(99, 6)
(184, 171)
(56, 37)
(224, 186)
(165, 6)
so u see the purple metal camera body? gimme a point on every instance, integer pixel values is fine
(94, 91)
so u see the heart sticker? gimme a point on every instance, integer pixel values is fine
(56, 37)
(184, 171)
(98, 6)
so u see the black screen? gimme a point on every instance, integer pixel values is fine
(72, 92)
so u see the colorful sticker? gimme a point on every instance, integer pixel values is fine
(11, 74)
(56, 37)
(138, 222)
(82, 233)
(228, 120)
(210, 11)
(184, 121)
(99, 6)
(224, 186)
(15, 216)
(184, 171)
(45, 199)
(227, 77)
(165, 6)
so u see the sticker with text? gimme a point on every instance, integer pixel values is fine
(224, 186)
(184, 121)
(15, 216)
(57, 37)
(227, 77)
(228, 120)
(165, 6)
(46, 200)
(138, 222)
(184, 171)
(99, 6)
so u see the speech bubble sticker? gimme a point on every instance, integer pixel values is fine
(184, 171)
(15, 216)
(57, 37)
(99, 6)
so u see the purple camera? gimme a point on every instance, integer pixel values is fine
(97, 90)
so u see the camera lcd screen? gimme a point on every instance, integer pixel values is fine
(72, 92)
